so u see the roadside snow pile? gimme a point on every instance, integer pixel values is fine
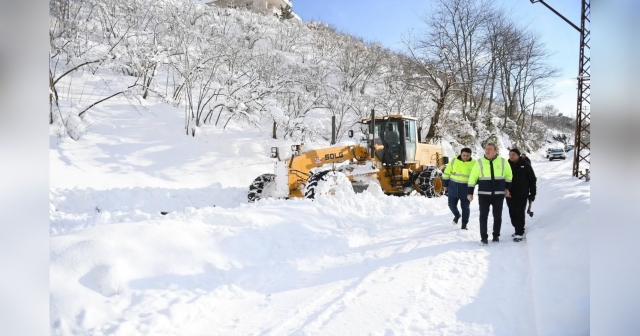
(76, 209)
(194, 267)
(558, 241)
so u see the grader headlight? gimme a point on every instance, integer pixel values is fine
(274, 152)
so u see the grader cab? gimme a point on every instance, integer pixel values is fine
(389, 155)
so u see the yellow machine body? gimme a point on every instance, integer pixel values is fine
(357, 162)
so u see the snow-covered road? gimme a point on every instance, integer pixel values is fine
(368, 264)
(215, 265)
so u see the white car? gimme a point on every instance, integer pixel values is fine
(556, 153)
(549, 151)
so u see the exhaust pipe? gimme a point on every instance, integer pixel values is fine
(333, 130)
(372, 133)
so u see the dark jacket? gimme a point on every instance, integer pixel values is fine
(526, 159)
(524, 179)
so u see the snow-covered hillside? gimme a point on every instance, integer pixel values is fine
(227, 68)
(216, 265)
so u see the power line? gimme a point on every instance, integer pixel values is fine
(582, 141)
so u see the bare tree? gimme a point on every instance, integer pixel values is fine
(253, 30)
(287, 39)
(534, 88)
(357, 62)
(345, 108)
(433, 70)
(75, 46)
(325, 43)
(496, 29)
(460, 24)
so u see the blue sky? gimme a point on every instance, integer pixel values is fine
(387, 21)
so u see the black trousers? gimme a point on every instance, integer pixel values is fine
(496, 202)
(517, 211)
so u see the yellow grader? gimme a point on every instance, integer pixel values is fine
(389, 155)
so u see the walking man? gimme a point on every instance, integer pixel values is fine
(493, 176)
(523, 188)
(524, 157)
(455, 180)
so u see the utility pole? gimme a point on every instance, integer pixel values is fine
(582, 141)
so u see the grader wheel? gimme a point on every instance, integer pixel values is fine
(327, 183)
(429, 183)
(262, 187)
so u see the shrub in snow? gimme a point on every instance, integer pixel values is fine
(74, 128)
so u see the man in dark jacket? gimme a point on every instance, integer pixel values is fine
(525, 158)
(523, 188)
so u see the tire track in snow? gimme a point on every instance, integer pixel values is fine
(306, 311)
(313, 317)
(379, 278)
(449, 274)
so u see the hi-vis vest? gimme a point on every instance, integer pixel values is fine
(457, 171)
(492, 176)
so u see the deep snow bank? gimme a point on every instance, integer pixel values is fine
(558, 244)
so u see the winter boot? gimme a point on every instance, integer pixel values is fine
(517, 238)
(496, 240)
(455, 220)
(484, 242)
(464, 226)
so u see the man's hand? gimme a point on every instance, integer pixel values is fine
(507, 193)
(470, 198)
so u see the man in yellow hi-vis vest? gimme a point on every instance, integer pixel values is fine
(493, 176)
(455, 180)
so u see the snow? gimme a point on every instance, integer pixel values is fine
(559, 251)
(277, 114)
(350, 264)
(151, 231)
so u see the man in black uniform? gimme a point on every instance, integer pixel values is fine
(523, 188)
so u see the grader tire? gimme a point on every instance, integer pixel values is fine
(261, 187)
(326, 183)
(430, 183)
